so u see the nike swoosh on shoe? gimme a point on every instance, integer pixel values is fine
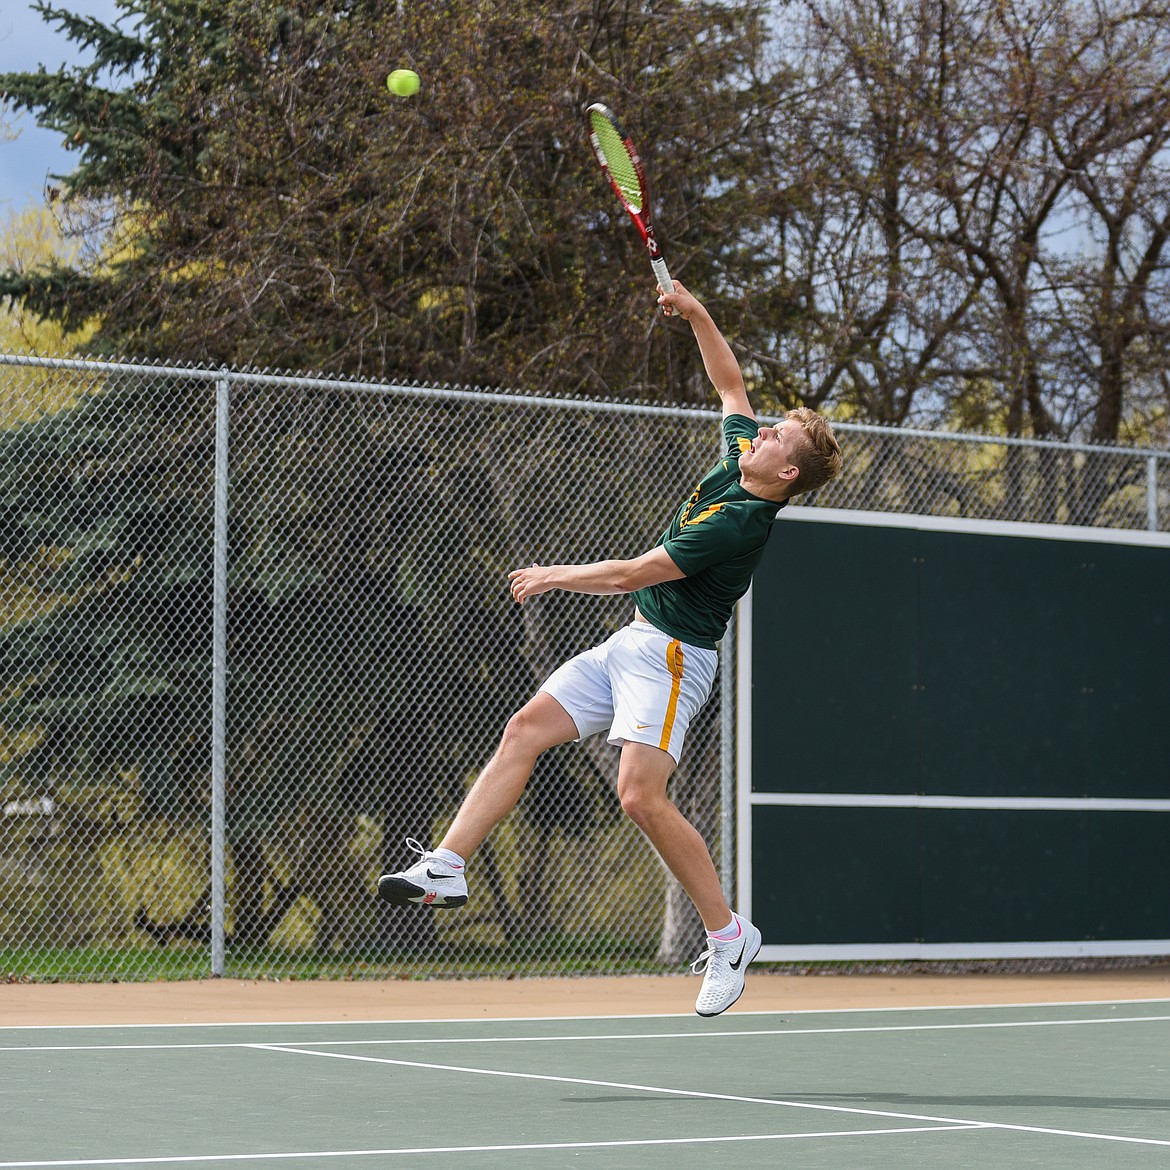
(735, 966)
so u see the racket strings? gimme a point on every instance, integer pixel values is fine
(616, 157)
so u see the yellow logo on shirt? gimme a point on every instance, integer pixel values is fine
(708, 511)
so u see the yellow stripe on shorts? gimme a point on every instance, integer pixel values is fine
(674, 663)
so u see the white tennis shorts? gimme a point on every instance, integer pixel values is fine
(641, 685)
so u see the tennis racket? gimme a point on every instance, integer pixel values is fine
(623, 168)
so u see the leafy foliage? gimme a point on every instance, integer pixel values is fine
(277, 206)
(913, 213)
(31, 240)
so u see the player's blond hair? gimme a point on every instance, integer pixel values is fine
(819, 456)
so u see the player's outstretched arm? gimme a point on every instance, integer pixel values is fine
(718, 358)
(601, 577)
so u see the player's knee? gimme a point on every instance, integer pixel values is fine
(516, 731)
(523, 733)
(638, 803)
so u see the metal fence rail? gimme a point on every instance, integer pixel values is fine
(255, 632)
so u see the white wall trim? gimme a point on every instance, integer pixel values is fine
(977, 527)
(916, 800)
(844, 952)
(743, 755)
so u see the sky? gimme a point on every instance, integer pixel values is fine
(27, 41)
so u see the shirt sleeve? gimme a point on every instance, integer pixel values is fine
(738, 433)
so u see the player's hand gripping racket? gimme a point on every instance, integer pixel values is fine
(623, 168)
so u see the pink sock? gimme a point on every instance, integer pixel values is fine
(729, 933)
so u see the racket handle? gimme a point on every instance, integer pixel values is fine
(663, 274)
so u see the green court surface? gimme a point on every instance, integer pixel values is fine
(1054, 1085)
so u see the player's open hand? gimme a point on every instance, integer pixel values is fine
(526, 583)
(680, 302)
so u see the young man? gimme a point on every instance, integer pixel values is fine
(645, 683)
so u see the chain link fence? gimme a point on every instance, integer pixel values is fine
(256, 632)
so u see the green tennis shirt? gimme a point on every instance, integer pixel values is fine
(716, 538)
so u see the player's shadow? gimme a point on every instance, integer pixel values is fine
(917, 1102)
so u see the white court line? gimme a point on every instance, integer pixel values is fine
(349, 1023)
(959, 1122)
(607, 1037)
(616, 1143)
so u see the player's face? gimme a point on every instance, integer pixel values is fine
(772, 451)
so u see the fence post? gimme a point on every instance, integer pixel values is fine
(1152, 493)
(727, 724)
(219, 678)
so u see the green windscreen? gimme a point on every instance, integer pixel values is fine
(613, 153)
(978, 750)
(965, 663)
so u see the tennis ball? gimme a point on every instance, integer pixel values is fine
(403, 82)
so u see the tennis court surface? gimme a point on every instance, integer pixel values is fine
(1055, 1084)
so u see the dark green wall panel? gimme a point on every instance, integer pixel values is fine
(1044, 667)
(835, 633)
(835, 875)
(970, 664)
(955, 663)
(883, 875)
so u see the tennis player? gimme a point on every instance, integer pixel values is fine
(646, 682)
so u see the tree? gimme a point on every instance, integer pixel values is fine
(264, 206)
(931, 212)
(280, 208)
(966, 213)
(31, 239)
(1051, 186)
(857, 308)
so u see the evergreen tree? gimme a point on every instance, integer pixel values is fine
(274, 205)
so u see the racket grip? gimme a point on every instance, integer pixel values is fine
(663, 274)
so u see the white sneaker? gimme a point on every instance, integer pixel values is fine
(723, 967)
(429, 882)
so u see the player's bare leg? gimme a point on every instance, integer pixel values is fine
(540, 724)
(643, 775)
(732, 941)
(437, 879)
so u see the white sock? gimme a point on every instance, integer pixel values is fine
(450, 857)
(729, 933)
